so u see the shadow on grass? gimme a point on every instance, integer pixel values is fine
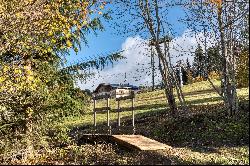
(185, 94)
(140, 107)
(204, 100)
(160, 105)
(199, 92)
(125, 128)
(158, 110)
(209, 128)
(149, 158)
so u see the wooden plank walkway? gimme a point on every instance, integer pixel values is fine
(139, 142)
(134, 142)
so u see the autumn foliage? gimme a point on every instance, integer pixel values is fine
(217, 2)
(38, 26)
(242, 73)
(35, 94)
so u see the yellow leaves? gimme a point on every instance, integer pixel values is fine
(62, 47)
(68, 43)
(29, 111)
(2, 79)
(17, 71)
(17, 77)
(53, 41)
(217, 2)
(50, 33)
(214, 75)
(102, 7)
(79, 27)
(44, 51)
(44, 21)
(67, 35)
(11, 76)
(18, 15)
(84, 22)
(5, 69)
(49, 49)
(242, 71)
(30, 78)
(85, 3)
(27, 67)
(11, 89)
(76, 49)
(75, 22)
(29, 72)
(66, 31)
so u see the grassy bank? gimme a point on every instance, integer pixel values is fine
(200, 93)
(204, 135)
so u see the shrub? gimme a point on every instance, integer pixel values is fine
(198, 79)
(214, 75)
(242, 73)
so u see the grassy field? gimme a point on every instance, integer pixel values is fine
(200, 93)
(204, 135)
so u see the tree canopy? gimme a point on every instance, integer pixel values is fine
(41, 27)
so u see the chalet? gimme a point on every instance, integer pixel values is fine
(115, 90)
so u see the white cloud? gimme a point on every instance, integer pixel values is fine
(182, 47)
(137, 64)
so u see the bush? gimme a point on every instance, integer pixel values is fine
(71, 155)
(198, 79)
(242, 73)
(212, 128)
(33, 98)
(190, 78)
(214, 75)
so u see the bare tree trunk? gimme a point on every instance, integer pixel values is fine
(168, 81)
(171, 100)
(180, 94)
(232, 60)
(229, 90)
(154, 29)
(28, 118)
(153, 68)
(174, 78)
(28, 133)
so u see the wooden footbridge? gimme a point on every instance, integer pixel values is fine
(131, 141)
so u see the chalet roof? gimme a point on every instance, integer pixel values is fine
(116, 86)
(99, 86)
(124, 86)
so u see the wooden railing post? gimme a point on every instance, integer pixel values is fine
(109, 127)
(119, 118)
(107, 108)
(94, 116)
(133, 115)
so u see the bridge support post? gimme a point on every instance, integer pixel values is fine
(119, 118)
(133, 115)
(94, 117)
(109, 127)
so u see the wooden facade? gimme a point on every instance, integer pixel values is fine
(108, 91)
(111, 91)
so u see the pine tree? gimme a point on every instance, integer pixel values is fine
(184, 76)
(213, 56)
(188, 65)
(199, 62)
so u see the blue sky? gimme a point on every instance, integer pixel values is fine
(136, 66)
(107, 41)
